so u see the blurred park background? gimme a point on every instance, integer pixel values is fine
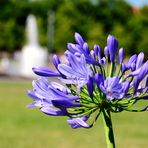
(93, 19)
(57, 21)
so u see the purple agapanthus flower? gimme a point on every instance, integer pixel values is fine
(131, 64)
(81, 47)
(48, 95)
(76, 72)
(113, 88)
(89, 84)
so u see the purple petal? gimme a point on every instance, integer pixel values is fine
(35, 104)
(99, 79)
(90, 86)
(113, 82)
(133, 66)
(57, 94)
(46, 72)
(126, 86)
(103, 61)
(79, 39)
(86, 48)
(97, 51)
(140, 59)
(51, 111)
(32, 95)
(44, 82)
(66, 70)
(40, 91)
(63, 104)
(56, 60)
(135, 84)
(92, 54)
(144, 71)
(121, 55)
(31, 105)
(132, 60)
(109, 96)
(118, 95)
(78, 122)
(112, 45)
(103, 89)
(69, 81)
(84, 67)
(72, 48)
(141, 72)
(134, 73)
(77, 64)
(124, 67)
(60, 87)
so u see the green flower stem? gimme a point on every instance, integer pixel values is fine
(112, 69)
(108, 128)
(106, 68)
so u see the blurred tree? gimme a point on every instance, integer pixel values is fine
(70, 19)
(10, 36)
(12, 24)
(13, 14)
(93, 20)
(138, 28)
(143, 43)
(119, 31)
(110, 12)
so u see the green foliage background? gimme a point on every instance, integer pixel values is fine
(94, 21)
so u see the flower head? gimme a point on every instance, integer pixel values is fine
(113, 88)
(76, 72)
(90, 84)
(51, 97)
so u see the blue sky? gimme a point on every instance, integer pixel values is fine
(138, 3)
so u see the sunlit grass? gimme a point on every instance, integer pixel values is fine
(22, 127)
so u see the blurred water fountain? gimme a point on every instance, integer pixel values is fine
(32, 54)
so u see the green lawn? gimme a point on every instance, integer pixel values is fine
(22, 127)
